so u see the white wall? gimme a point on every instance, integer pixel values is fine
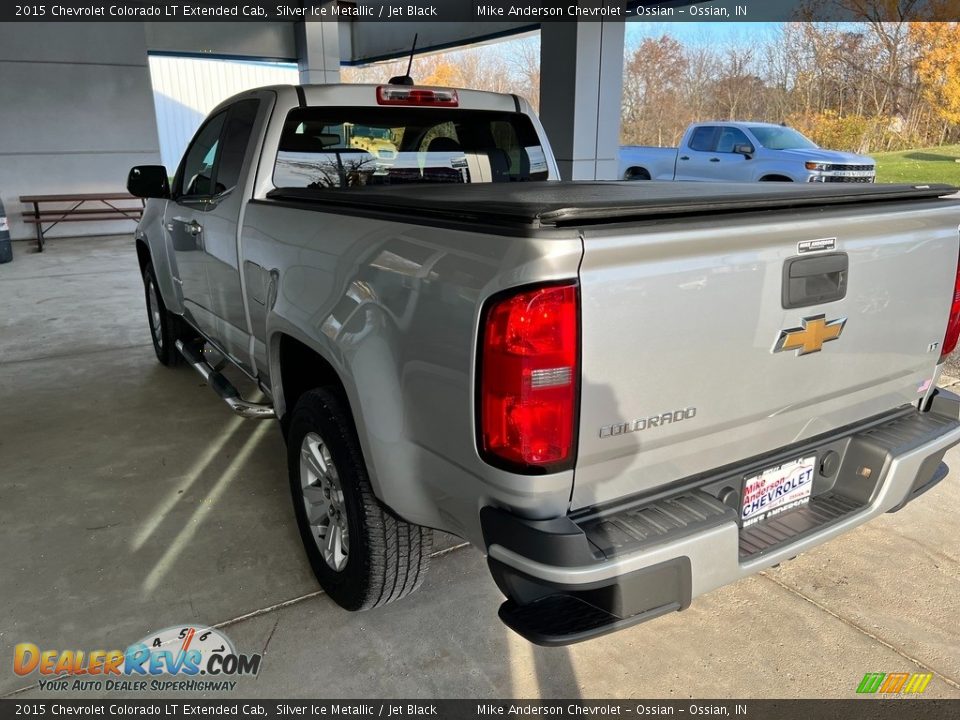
(263, 40)
(76, 112)
(185, 90)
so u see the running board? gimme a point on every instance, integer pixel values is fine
(193, 354)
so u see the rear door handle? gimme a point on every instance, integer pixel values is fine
(684, 157)
(714, 159)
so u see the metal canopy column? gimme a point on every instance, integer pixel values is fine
(318, 51)
(581, 92)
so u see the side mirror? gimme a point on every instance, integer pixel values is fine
(745, 150)
(148, 181)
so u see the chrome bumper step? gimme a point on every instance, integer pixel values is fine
(193, 354)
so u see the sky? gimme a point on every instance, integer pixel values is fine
(701, 33)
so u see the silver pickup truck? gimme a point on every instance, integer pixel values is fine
(625, 394)
(744, 152)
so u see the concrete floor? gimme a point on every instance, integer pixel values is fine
(131, 500)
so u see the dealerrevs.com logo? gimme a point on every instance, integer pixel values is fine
(177, 658)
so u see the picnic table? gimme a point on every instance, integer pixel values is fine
(79, 207)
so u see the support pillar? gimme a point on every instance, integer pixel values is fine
(318, 51)
(581, 93)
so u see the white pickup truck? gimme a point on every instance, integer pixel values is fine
(744, 152)
(625, 394)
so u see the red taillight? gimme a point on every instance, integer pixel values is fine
(953, 324)
(400, 95)
(529, 374)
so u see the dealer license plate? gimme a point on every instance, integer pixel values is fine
(777, 490)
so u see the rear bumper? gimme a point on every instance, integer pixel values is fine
(571, 579)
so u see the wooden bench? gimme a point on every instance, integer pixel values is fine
(79, 207)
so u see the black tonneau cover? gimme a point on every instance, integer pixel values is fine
(562, 204)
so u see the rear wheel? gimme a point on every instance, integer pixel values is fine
(636, 174)
(164, 325)
(362, 555)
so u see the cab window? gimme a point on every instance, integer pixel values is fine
(702, 138)
(340, 148)
(729, 138)
(197, 174)
(236, 137)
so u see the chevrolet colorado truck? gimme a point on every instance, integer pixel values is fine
(625, 394)
(744, 152)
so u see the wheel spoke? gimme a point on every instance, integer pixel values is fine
(310, 460)
(323, 500)
(326, 462)
(337, 545)
(331, 541)
(316, 514)
(314, 495)
(322, 532)
(317, 504)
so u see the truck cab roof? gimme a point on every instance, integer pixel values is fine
(365, 95)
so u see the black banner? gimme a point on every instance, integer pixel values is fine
(861, 709)
(531, 11)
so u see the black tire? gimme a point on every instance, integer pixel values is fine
(637, 174)
(164, 326)
(387, 558)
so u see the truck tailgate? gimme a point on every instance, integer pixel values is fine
(681, 321)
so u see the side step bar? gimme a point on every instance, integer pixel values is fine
(193, 354)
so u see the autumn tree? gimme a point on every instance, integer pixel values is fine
(863, 86)
(442, 73)
(938, 66)
(652, 91)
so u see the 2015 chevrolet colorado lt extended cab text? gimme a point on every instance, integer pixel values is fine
(625, 394)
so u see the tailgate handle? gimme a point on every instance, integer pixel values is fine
(814, 280)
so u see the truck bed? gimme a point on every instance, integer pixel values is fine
(563, 204)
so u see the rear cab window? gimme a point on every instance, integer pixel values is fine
(701, 139)
(355, 147)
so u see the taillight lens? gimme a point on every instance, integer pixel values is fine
(953, 324)
(529, 375)
(399, 95)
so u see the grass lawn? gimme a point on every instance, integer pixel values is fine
(928, 165)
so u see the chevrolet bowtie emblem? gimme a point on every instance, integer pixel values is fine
(810, 338)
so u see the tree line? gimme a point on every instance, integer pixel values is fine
(864, 87)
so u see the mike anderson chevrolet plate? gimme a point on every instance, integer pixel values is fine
(777, 489)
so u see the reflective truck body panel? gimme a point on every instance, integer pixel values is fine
(394, 308)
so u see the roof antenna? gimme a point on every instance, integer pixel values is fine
(406, 79)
